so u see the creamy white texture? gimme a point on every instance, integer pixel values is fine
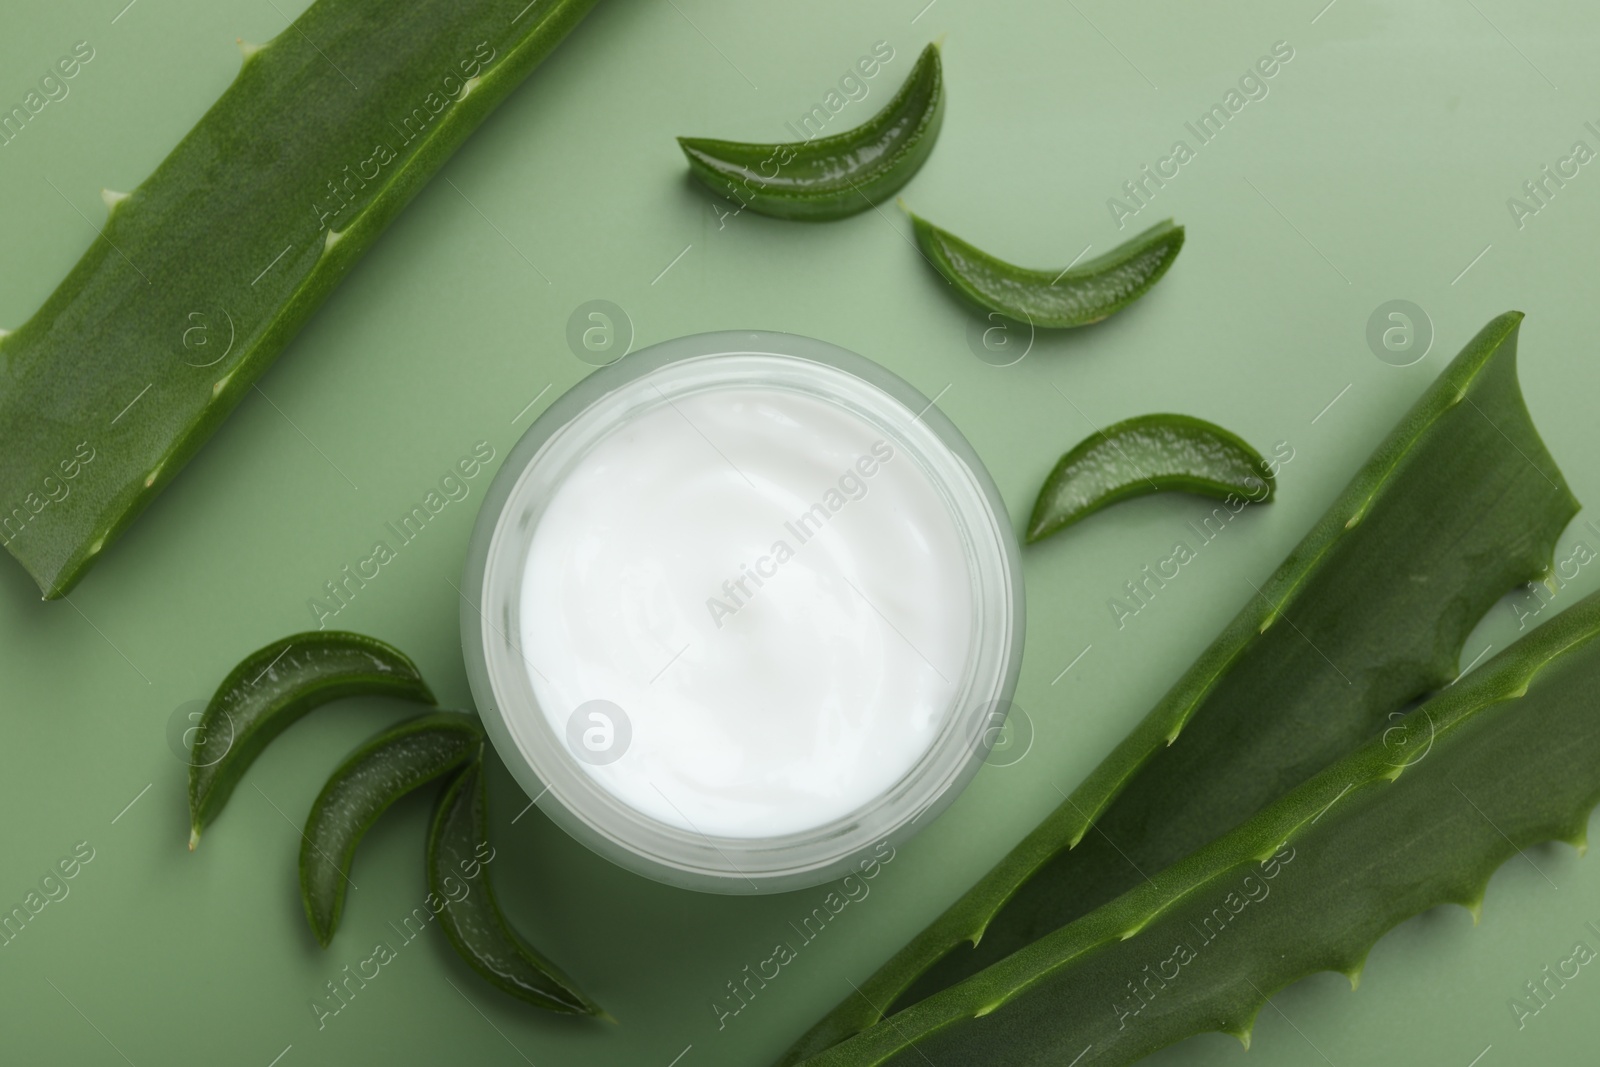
(776, 597)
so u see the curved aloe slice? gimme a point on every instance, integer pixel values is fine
(272, 688)
(1421, 816)
(472, 921)
(1149, 454)
(1458, 504)
(1076, 296)
(374, 776)
(830, 177)
(201, 276)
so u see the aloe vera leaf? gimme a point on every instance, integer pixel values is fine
(274, 687)
(203, 275)
(1423, 815)
(1077, 296)
(471, 917)
(374, 776)
(830, 177)
(1149, 454)
(1458, 504)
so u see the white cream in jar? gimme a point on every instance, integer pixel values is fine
(740, 608)
(776, 599)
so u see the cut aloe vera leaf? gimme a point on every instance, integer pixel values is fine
(373, 777)
(1149, 454)
(457, 844)
(273, 688)
(203, 274)
(1420, 816)
(1058, 299)
(830, 177)
(1459, 503)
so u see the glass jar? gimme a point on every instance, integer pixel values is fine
(573, 760)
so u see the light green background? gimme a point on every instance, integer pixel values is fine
(1377, 168)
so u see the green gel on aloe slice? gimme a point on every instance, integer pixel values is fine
(372, 778)
(1148, 454)
(830, 177)
(273, 688)
(1078, 295)
(473, 921)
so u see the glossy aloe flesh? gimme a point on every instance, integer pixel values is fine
(274, 687)
(1081, 294)
(830, 177)
(373, 777)
(204, 273)
(1149, 454)
(1422, 815)
(1457, 505)
(472, 919)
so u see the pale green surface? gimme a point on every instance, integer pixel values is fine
(1392, 141)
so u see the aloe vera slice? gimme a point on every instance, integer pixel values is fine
(1077, 296)
(1149, 454)
(472, 919)
(374, 776)
(830, 177)
(203, 274)
(1458, 504)
(272, 688)
(1423, 815)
